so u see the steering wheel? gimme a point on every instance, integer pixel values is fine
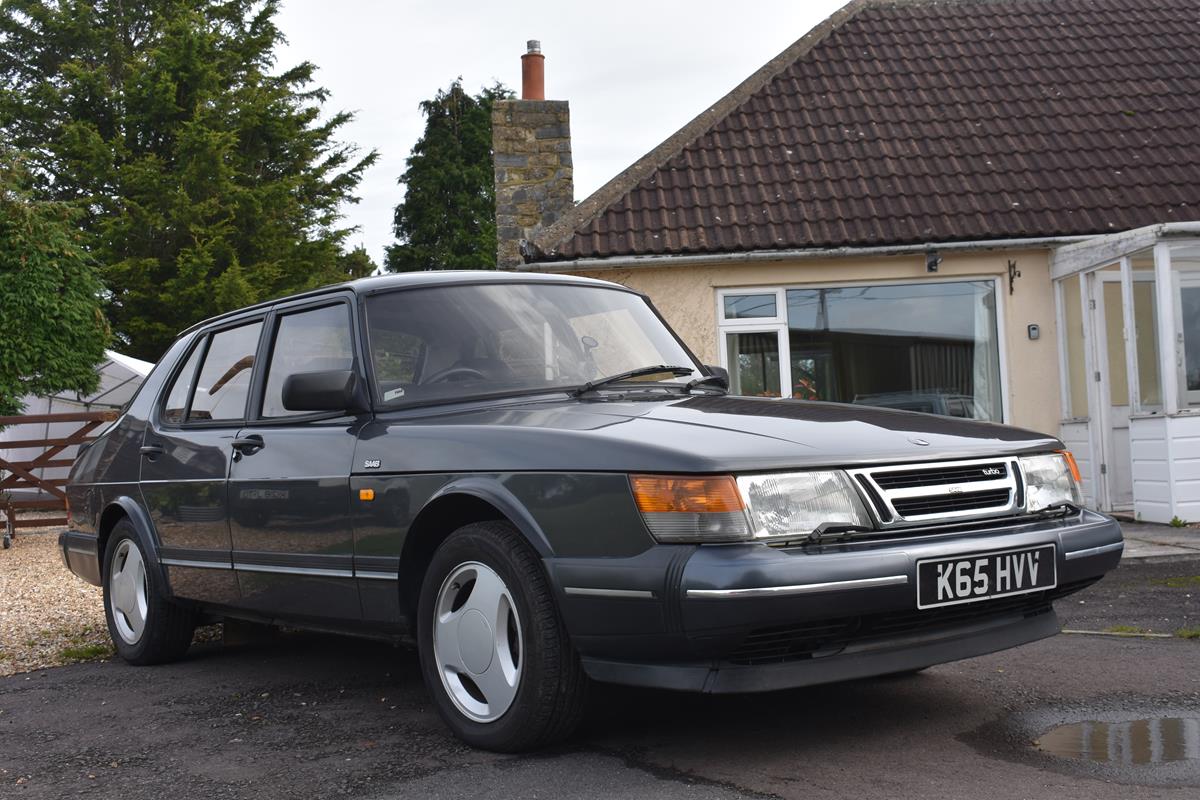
(455, 374)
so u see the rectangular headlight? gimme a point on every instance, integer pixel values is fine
(797, 503)
(1050, 481)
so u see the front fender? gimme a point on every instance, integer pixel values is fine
(492, 491)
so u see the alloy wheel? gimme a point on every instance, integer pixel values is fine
(477, 641)
(127, 591)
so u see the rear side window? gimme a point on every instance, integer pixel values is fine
(224, 381)
(315, 340)
(176, 405)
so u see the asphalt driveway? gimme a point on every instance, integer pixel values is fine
(315, 716)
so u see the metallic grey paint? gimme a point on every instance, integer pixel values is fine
(279, 532)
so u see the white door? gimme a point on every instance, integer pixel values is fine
(1112, 391)
(1187, 336)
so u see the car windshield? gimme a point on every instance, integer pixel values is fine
(458, 342)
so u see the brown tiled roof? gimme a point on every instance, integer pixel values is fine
(913, 122)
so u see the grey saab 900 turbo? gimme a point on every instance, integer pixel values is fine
(534, 480)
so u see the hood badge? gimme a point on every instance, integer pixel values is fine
(372, 463)
(919, 442)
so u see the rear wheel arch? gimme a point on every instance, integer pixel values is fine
(117, 510)
(446, 512)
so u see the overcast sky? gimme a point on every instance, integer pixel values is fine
(635, 71)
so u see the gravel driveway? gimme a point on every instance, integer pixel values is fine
(48, 617)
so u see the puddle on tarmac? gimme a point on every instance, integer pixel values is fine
(1140, 741)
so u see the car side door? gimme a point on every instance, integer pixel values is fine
(186, 453)
(289, 487)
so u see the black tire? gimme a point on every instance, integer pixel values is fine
(552, 687)
(168, 627)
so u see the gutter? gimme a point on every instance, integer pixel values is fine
(796, 254)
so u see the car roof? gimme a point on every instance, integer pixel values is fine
(401, 280)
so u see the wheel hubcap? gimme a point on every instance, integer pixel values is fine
(127, 591)
(477, 641)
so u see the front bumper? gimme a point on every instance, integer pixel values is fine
(750, 617)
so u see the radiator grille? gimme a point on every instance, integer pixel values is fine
(946, 491)
(967, 501)
(907, 478)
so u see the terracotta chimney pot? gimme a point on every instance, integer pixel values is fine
(533, 72)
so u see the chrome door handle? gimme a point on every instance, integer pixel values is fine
(151, 450)
(248, 444)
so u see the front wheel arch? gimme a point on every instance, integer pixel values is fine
(458, 504)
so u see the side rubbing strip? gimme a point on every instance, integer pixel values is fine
(326, 573)
(279, 570)
(578, 591)
(183, 562)
(378, 576)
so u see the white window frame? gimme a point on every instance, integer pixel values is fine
(785, 365)
(779, 322)
(780, 317)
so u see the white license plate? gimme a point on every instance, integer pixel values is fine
(982, 576)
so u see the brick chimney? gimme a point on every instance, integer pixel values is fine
(531, 143)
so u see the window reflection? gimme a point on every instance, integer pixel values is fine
(920, 347)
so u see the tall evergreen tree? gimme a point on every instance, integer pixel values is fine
(447, 219)
(52, 331)
(208, 179)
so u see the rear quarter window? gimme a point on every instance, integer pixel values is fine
(224, 382)
(175, 406)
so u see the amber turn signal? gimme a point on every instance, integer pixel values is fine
(1071, 464)
(366, 494)
(664, 493)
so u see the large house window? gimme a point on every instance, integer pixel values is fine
(930, 346)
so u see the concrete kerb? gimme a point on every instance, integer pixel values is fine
(1149, 542)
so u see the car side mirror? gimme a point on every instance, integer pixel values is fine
(330, 390)
(719, 373)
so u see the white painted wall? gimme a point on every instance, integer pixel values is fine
(1184, 431)
(1165, 454)
(1151, 468)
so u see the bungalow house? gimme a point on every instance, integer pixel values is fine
(980, 208)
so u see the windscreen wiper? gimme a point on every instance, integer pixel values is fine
(633, 373)
(717, 381)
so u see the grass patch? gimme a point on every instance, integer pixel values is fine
(85, 652)
(1183, 582)
(1188, 633)
(1123, 629)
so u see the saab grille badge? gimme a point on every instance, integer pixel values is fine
(920, 442)
(372, 463)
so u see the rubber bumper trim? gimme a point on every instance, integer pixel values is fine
(1094, 551)
(803, 588)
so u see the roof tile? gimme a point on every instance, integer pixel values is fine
(906, 122)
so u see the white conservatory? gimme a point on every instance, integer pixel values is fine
(1128, 308)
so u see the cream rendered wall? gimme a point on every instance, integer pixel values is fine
(686, 296)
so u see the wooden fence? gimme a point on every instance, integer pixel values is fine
(29, 473)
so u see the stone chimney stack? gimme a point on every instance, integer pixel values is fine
(531, 143)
